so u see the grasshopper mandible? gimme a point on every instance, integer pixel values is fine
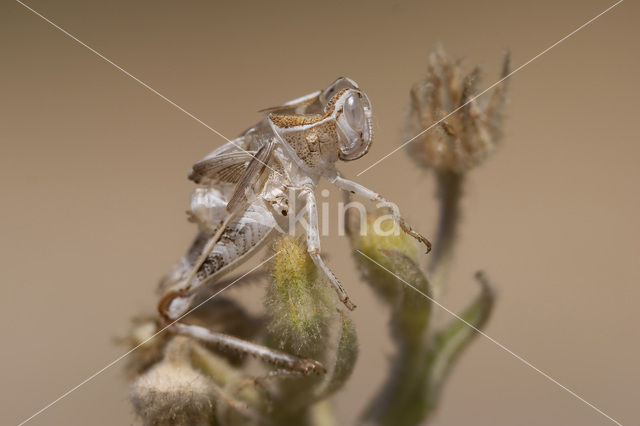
(245, 194)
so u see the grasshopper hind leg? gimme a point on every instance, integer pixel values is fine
(298, 366)
(179, 301)
(239, 235)
(174, 306)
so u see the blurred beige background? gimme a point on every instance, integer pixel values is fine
(93, 187)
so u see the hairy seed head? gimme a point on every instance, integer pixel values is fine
(465, 138)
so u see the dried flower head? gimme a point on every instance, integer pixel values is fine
(150, 348)
(464, 138)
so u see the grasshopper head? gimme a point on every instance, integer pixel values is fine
(337, 117)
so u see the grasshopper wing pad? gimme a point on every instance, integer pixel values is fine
(225, 167)
(251, 175)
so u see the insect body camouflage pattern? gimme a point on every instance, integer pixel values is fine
(246, 193)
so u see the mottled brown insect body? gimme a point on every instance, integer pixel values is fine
(255, 184)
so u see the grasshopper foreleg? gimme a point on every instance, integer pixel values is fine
(362, 191)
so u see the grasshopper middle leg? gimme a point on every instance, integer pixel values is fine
(313, 247)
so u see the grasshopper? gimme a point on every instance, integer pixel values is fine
(246, 192)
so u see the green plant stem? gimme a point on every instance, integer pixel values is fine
(449, 193)
(407, 397)
(401, 401)
(322, 414)
(449, 343)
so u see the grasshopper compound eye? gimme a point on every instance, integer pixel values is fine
(335, 88)
(354, 112)
(355, 125)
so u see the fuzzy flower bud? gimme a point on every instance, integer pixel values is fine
(376, 243)
(465, 138)
(172, 392)
(299, 300)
